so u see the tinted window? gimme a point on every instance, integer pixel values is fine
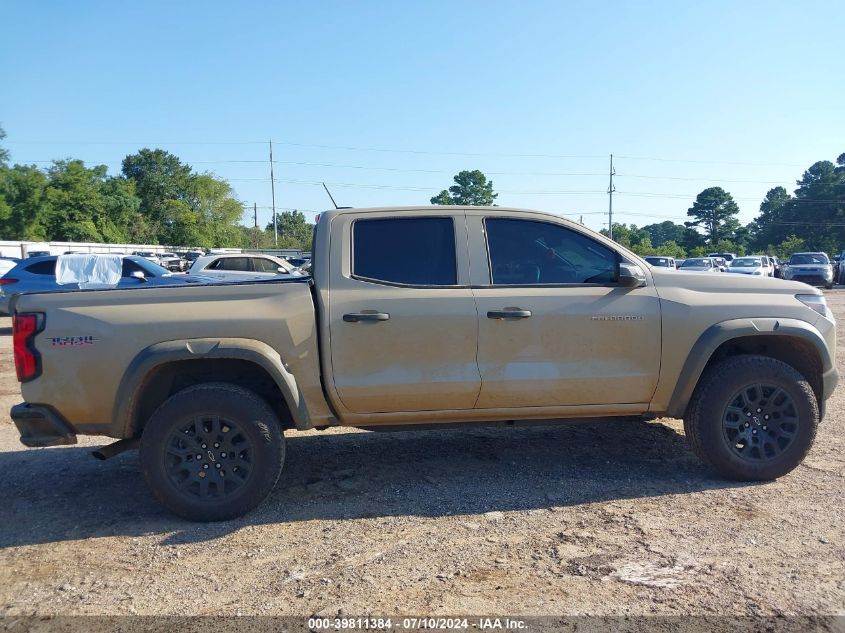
(47, 267)
(261, 265)
(415, 251)
(528, 252)
(240, 264)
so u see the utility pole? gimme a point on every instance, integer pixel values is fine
(610, 190)
(273, 192)
(255, 224)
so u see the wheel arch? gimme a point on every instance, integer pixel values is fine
(161, 370)
(794, 342)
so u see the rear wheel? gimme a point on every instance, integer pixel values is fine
(752, 418)
(212, 452)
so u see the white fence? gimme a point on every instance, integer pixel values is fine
(11, 248)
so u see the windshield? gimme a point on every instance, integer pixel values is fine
(808, 258)
(746, 263)
(697, 263)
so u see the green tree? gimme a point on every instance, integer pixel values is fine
(4, 153)
(790, 245)
(294, 230)
(160, 178)
(76, 206)
(714, 211)
(664, 232)
(470, 188)
(22, 203)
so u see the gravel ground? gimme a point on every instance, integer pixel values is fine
(614, 518)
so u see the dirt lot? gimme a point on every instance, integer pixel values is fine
(612, 518)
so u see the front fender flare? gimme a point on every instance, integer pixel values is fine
(258, 352)
(720, 333)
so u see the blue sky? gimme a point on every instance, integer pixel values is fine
(536, 94)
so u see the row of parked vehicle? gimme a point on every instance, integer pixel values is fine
(38, 274)
(811, 268)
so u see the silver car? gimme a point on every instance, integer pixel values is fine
(700, 265)
(243, 267)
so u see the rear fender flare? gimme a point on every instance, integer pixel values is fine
(258, 352)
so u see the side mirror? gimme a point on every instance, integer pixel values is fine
(630, 276)
(282, 271)
(137, 274)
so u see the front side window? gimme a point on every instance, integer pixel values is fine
(528, 252)
(409, 251)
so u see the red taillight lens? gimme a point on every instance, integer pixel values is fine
(27, 359)
(4, 281)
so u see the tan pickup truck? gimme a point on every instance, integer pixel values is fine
(422, 316)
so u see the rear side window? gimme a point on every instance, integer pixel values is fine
(411, 251)
(47, 267)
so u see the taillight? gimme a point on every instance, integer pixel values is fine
(27, 358)
(5, 280)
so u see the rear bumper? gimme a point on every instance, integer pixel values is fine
(41, 426)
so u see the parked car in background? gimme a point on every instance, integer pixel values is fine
(721, 262)
(31, 254)
(814, 269)
(728, 257)
(298, 262)
(38, 274)
(148, 255)
(748, 266)
(777, 271)
(663, 262)
(700, 265)
(172, 262)
(7, 263)
(240, 267)
(679, 262)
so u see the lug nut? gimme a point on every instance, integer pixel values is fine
(748, 413)
(225, 429)
(758, 411)
(746, 426)
(223, 455)
(204, 446)
(753, 432)
(202, 474)
(217, 465)
(205, 466)
(216, 444)
(765, 417)
(200, 456)
(765, 428)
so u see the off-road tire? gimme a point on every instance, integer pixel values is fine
(704, 426)
(259, 436)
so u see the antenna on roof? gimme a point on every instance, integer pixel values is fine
(330, 196)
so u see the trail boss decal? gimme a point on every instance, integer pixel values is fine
(72, 341)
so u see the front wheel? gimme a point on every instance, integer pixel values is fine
(212, 452)
(752, 418)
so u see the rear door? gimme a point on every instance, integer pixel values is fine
(555, 328)
(402, 318)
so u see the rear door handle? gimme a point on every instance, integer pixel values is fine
(509, 314)
(354, 317)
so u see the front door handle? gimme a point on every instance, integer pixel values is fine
(354, 317)
(509, 313)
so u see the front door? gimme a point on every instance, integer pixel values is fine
(402, 318)
(555, 329)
